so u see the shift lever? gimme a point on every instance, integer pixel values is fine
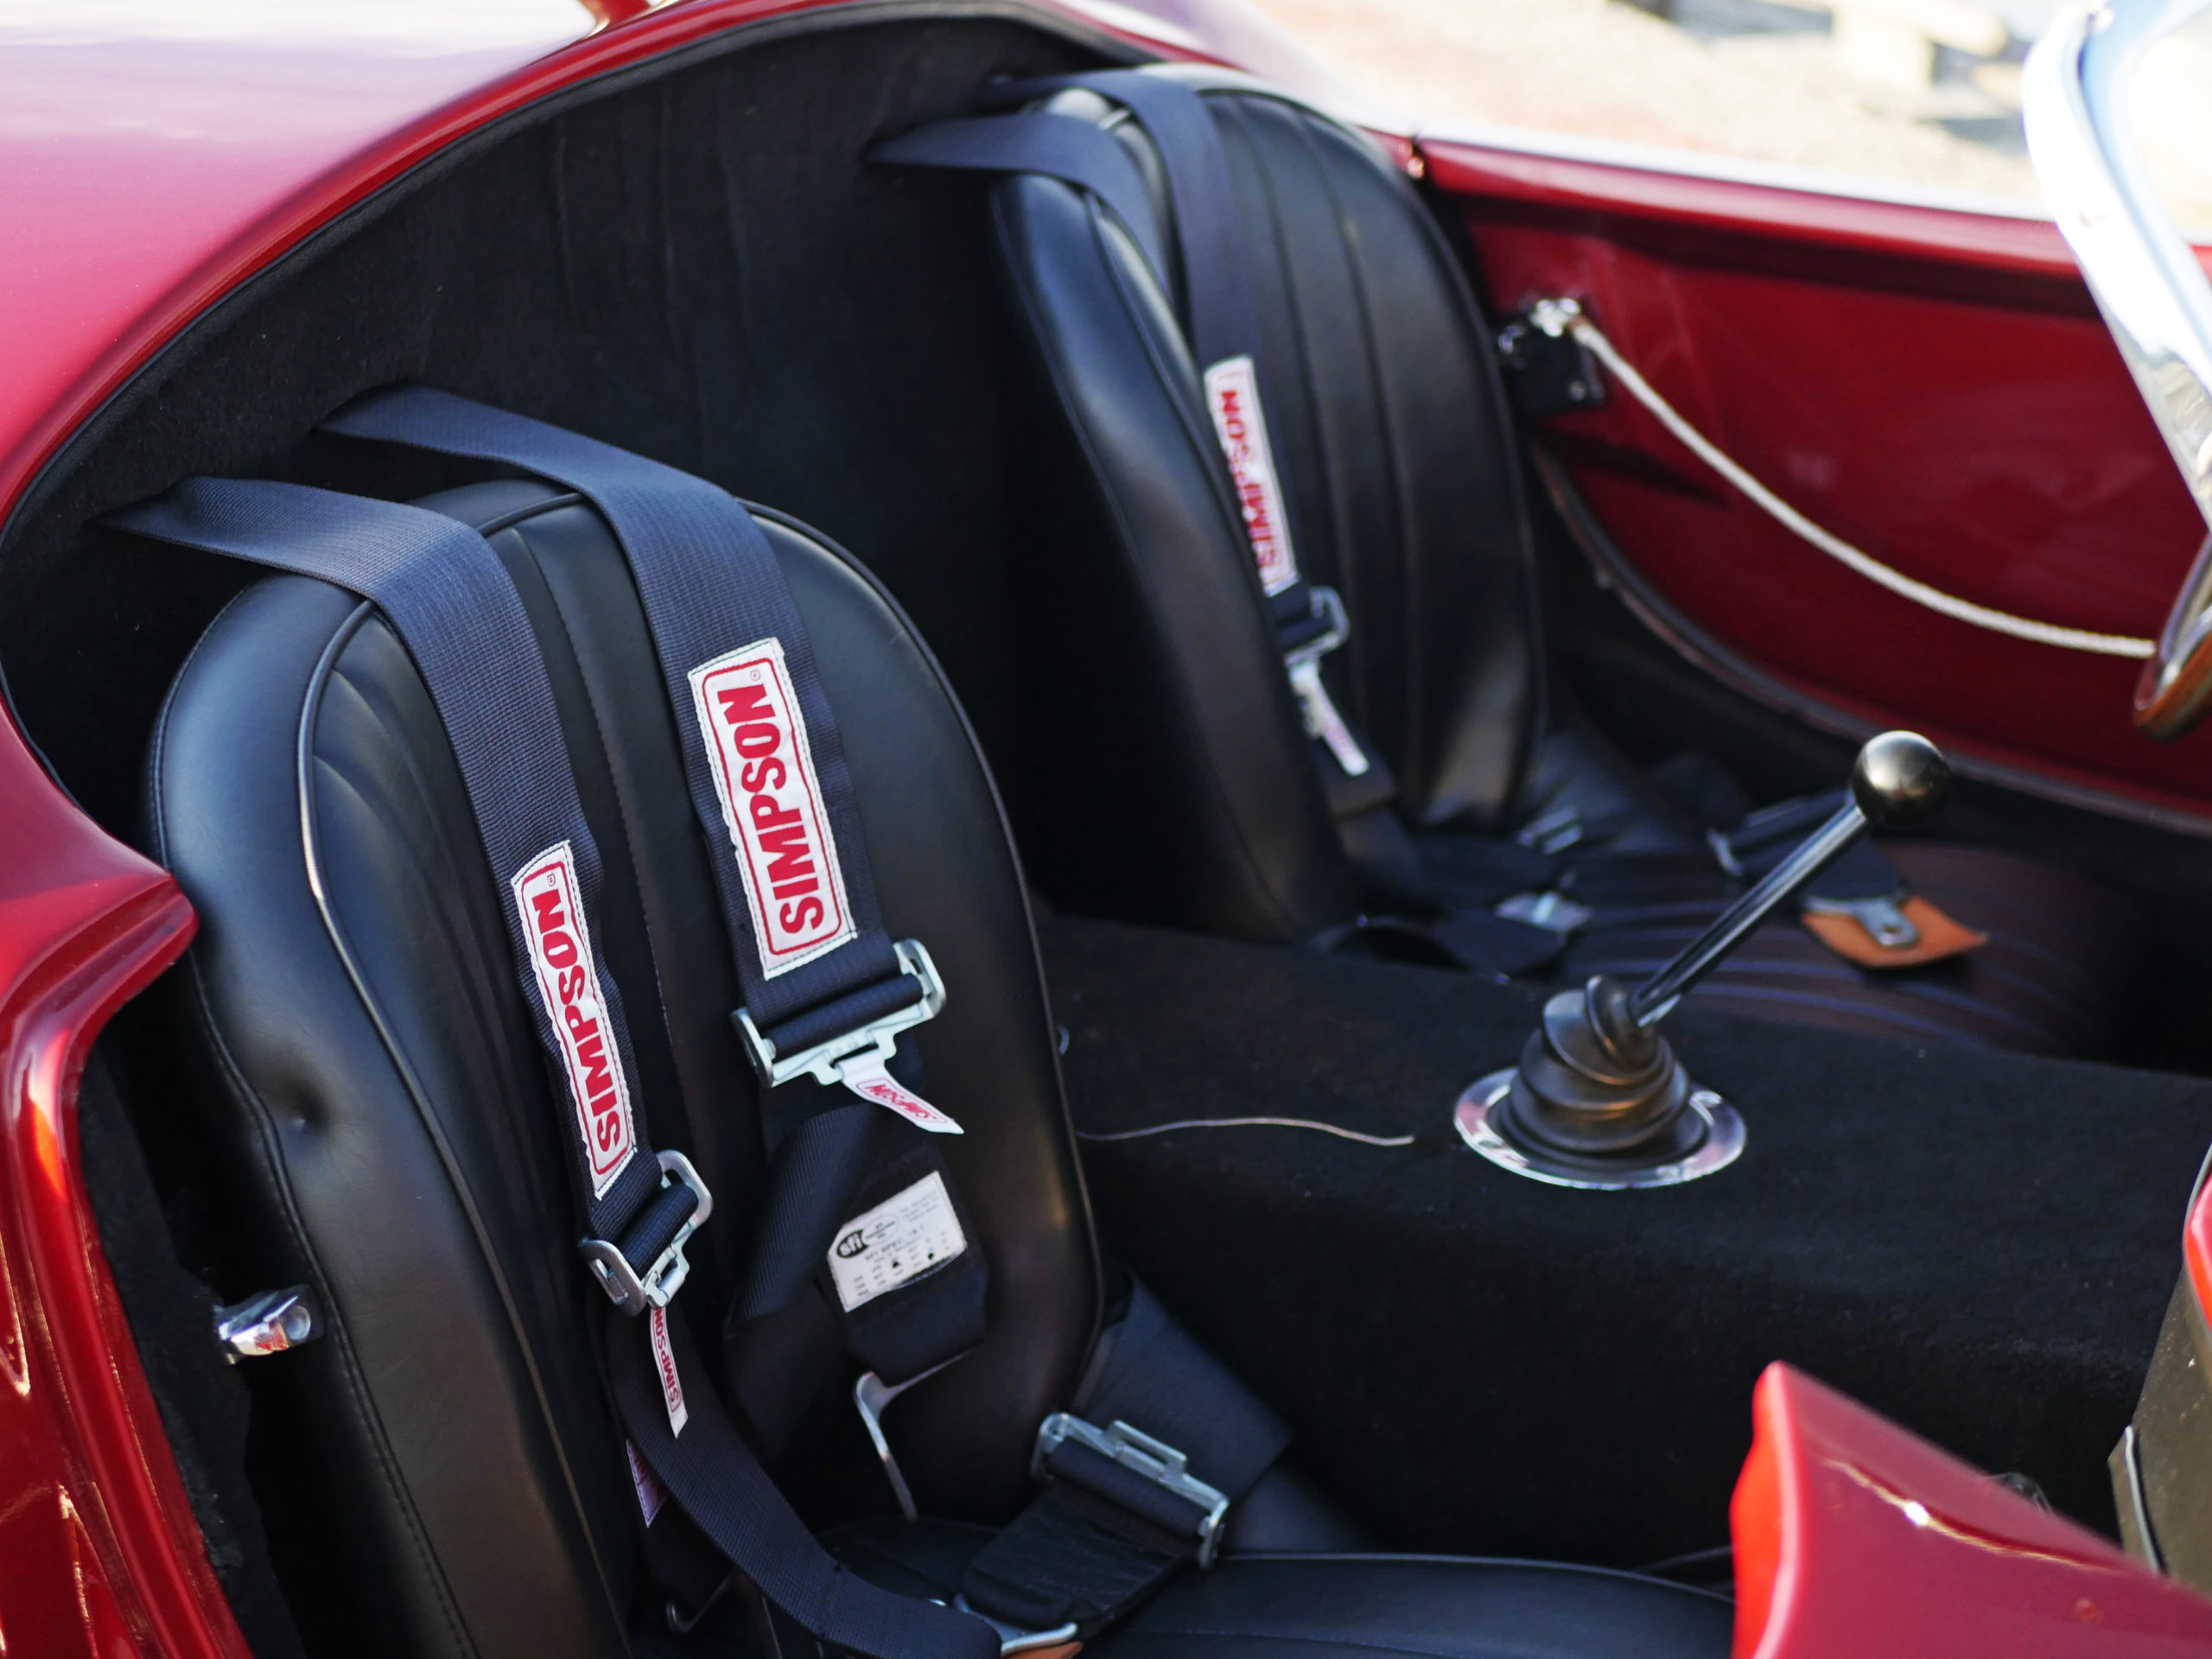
(1599, 1099)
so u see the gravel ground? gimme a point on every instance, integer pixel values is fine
(1735, 78)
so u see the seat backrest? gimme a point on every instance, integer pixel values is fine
(369, 1076)
(1396, 455)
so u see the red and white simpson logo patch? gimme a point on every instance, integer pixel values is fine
(1233, 395)
(671, 1384)
(772, 803)
(568, 979)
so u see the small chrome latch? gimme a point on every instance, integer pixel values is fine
(1140, 1454)
(267, 1323)
(878, 1039)
(1013, 1638)
(634, 1291)
(1548, 909)
(1883, 918)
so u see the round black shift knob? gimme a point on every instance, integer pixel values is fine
(1899, 779)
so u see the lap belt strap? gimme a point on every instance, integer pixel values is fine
(1221, 319)
(827, 991)
(444, 590)
(1139, 1480)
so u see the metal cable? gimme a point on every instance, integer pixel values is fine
(1251, 1122)
(1565, 314)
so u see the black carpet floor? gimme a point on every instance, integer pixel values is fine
(1979, 1245)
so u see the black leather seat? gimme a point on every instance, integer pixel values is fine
(1399, 459)
(443, 1474)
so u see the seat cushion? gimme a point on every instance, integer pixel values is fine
(1353, 1606)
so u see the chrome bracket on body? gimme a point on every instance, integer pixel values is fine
(1883, 919)
(1140, 1454)
(872, 1397)
(634, 1291)
(268, 1323)
(877, 1040)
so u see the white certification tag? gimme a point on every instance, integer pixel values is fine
(902, 1238)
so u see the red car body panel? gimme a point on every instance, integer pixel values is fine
(100, 1552)
(1933, 386)
(145, 176)
(1855, 1539)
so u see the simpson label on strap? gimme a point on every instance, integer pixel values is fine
(763, 761)
(550, 901)
(752, 727)
(1233, 399)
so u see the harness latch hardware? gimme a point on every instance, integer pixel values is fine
(1137, 1452)
(268, 1323)
(1314, 636)
(634, 1291)
(877, 1038)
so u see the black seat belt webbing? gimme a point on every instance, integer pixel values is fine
(1222, 317)
(1061, 147)
(711, 589)
(445, 592)
(1168, 1439)
(714, 598)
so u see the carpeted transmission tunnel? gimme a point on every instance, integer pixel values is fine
(1980, 1245)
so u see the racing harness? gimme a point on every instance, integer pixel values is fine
(827, 993)
(1859, 908)
(1221, 322)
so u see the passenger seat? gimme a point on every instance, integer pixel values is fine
(1161, 661)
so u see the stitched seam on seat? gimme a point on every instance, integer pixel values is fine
(267, 1148)
(1411, 663)
(1353, 567)
(416, 1095)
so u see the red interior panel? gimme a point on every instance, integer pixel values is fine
(1934, 386)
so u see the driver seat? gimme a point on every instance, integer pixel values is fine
(452, 1480)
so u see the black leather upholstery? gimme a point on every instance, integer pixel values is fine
(1392, 440)
(1332, 1606)
(383, 1102)
(450, 1481)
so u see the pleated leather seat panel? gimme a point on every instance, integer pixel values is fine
(381, 1104)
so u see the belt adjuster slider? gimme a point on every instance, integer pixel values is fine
(1137, 1452)
(878, 1036)
(1327, 603)
(631, 1290)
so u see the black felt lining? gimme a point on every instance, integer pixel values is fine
(1980, 1246)
(690, 260)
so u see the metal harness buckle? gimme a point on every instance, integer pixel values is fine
(1137, 1452)
(1303, 660)
(634, 1291)
(878, 1038)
